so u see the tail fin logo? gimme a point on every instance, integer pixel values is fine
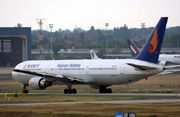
(153, 43)
(133, 49)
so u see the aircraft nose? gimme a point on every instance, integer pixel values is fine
(15, 74)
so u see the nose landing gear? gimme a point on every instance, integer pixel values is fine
(24, 89)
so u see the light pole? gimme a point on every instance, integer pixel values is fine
(106, 24)
(143, 25)
(51, 26)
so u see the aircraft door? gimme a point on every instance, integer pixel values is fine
(47, 68)
(87, 70)
(122, 67)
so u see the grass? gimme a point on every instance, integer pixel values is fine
(104, 110)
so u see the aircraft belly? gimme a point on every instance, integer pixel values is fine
(117, 79)
(21, 77)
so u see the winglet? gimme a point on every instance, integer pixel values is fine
(152, 48)
(133, 48)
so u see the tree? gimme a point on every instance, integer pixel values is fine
(57, 47)
(92, 29)
(171, 41)
(82, 38)
(101, 38)
(101, 53)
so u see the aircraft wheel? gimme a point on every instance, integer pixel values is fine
(101, 90)
(25, 91)
(66, 91)
(74, 91)
(105, 91)
(109, 90)
(70, 91)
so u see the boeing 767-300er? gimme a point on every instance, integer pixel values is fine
(99, 74)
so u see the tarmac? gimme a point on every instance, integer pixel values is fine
(151, 98)
(6, 70)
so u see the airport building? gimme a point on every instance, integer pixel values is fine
(15, 45)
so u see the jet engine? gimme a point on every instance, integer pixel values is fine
(39, 83)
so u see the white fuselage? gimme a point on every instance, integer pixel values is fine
(172, 58)
(98, 72)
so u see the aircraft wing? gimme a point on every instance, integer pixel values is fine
(51, 77)
(141, 67)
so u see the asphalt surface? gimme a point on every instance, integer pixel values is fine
(151, 98)
(145, 95)
(97, 102)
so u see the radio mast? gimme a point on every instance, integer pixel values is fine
(40, 44)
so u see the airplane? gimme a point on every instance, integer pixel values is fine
(99, 74)
(93, 55)
(164, 59)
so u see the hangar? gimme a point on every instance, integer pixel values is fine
(15, 45)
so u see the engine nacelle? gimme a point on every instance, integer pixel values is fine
(39, 83)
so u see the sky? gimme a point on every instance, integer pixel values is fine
(68, 14)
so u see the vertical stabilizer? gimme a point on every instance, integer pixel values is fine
(93, 54)
(151, 50)
(133, 48)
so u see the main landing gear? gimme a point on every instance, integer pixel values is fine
(70, 91)
(105, 90)
(24, 89)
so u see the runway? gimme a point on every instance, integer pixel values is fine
(97, 102)
(150, 98)
(146, 95)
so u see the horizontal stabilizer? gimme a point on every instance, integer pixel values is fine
(141, 67)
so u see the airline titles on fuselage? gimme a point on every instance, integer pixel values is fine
(68, 65)
(32, 66)
(72, 66)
